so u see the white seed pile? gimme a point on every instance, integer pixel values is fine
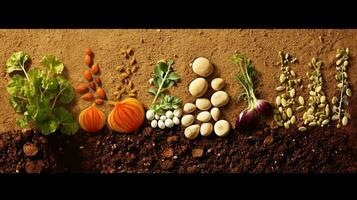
(318, 111)
(208, 113)
(285, 101)
(340, 102)
(168, 119)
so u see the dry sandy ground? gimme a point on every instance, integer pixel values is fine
(182, 45)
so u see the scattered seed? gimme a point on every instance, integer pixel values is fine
(280, 88)
(322, 99)
(344, 121)
(300, 108)
(302, 128)
(312, 124)
(301, 100)
(283, 102)
(278, 100)
(287, 125)
(325, 122)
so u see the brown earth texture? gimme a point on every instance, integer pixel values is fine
(270, 149)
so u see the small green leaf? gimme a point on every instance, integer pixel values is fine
(49, 83)
(69, 126)
(16, 62)
(152, 91)
(53, 64)
(163, 66)
(48, 126)
(15, 85)
(157, 81)
(22, 122)
(18, 104)
(170, 62)
(67, 95)
(173, 76)
(158, 71)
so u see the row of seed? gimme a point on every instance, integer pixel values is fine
(318, 111)
(339, 104)
(126, 88)
(285, 101)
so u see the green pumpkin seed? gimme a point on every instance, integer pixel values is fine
(310, 117)
(282, 78)
(322, 99)
(338, 62)
(276, 117)
(321, 105)
(301, 100)
(311, 110)
(287, 125)
(325, 122)
(283, 102)
(304, 116)
(334, 100)
(312, 124)
(293, 119)
(279, 124)
(327, 110)
(344, 121)
(345, 63)
(278, 100)
(335, 117)
(300, 108)
(280, 88)
(338, 125)
(289, 112)
(318, 89)
(340, 85)
(292, 93)
(312, 93)
(275, 111)
(338, 55)
(302, 128)
(292, 73)
(280, 109)
(306, 122)
(284, 117)
(349, 92)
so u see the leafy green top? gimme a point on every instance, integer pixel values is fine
(38, 93)
(164, 78)
(246, 77)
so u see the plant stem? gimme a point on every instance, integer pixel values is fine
(340, 103)
(54, 101)
(162, 83)
(23, 69)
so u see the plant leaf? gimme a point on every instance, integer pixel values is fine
(173, 76)
(16, 62)
(69, 126)
(15, 85)
(163, 66)
(157, 81)
(152, 91)
(48, 126)
(158, 71)
(52, 64)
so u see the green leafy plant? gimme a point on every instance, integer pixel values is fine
(164, 78)
(40, 95)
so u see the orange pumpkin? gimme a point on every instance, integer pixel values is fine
(91, 119)
(127, 115)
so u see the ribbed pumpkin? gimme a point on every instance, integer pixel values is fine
(91, 119)
(127, 115)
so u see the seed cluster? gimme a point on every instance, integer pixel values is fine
(339, 104)
(94, 82)
(126, 88)
(318, 111)
(285, 101)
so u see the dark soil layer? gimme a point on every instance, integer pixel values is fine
(319, 151)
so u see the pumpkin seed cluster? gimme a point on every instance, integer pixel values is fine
(288, 83)
(318, 111)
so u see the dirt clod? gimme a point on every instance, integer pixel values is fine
(168, 153)
(34, 166)
(30, 149)
(197, 153)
